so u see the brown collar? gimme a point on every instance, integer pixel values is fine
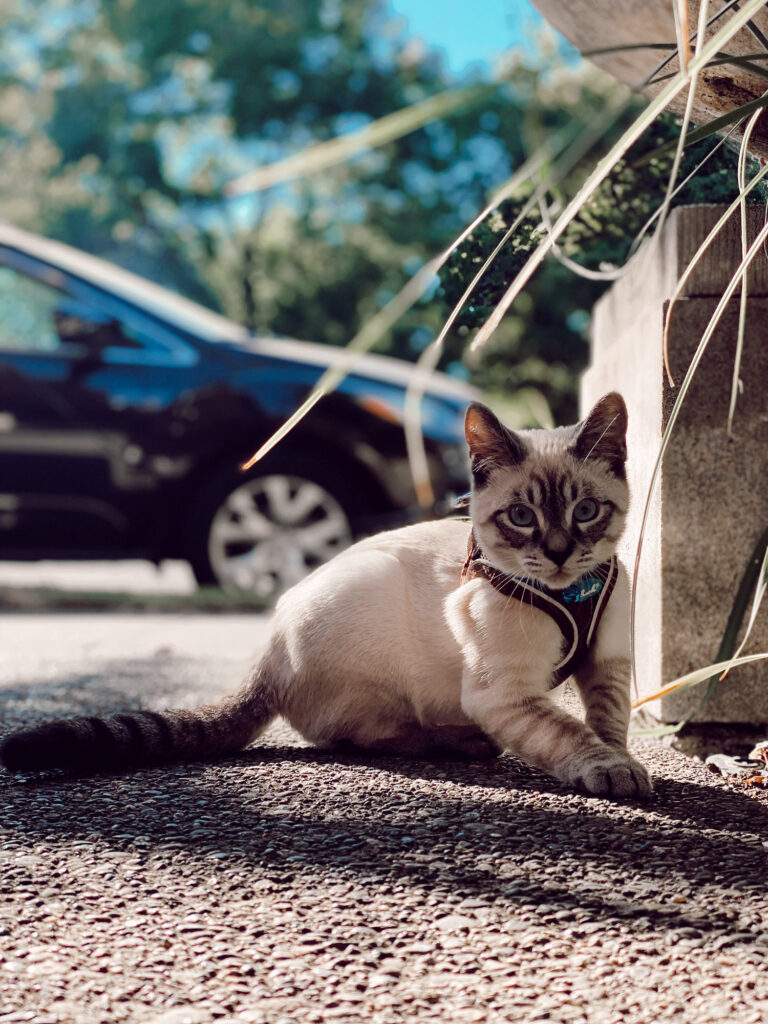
(577, 609)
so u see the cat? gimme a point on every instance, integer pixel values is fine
(440, 637)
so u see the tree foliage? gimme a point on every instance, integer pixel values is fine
(124, 120)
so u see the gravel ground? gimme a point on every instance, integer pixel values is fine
(287, 885)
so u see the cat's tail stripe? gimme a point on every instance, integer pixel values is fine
(141, 737)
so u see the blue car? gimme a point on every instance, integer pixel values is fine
(126, 412)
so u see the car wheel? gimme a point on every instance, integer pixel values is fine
(265, 533)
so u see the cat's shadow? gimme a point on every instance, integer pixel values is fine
(310, 817)
(478, 828)
(672, 801)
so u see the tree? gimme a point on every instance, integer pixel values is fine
(125, 120)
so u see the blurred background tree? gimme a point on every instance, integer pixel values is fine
(123, 121)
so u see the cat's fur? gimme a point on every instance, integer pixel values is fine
(385, 649)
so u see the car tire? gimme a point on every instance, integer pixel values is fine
(264, 531)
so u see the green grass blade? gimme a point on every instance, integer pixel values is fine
(755, 569)
(600, 51)
(762, 584)
(710, 128)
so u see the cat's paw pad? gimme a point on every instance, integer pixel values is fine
(611, 774)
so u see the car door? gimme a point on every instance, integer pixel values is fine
(83, 381)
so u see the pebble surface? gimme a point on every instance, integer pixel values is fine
(288, 885)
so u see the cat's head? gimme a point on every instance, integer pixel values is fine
(549, 504)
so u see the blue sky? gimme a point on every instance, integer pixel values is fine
(469, 31)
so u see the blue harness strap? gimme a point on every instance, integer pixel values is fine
(577, 609)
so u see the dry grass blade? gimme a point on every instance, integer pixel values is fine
(742, 176)
(363, 341)
(323, 155)
(384, 320)
(429, 359)
(682, 32)
(714, 232)
(700, 675)
(576, 268)
(606, 165)
(638, 239)
(700, 32)
(653, 78)
(714, 320)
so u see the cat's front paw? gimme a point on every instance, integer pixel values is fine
(608, 773)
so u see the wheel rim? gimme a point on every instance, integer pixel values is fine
(271, 532)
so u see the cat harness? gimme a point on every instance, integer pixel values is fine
(576, 610)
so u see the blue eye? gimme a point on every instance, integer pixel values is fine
(521, 515)
(585, 510)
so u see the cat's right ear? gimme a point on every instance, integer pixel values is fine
(491, 444)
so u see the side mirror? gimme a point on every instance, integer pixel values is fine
(81, 326)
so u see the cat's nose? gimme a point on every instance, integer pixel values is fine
(557, 547)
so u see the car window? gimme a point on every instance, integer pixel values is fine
(27, 309)
(43, 311)
(39, 318)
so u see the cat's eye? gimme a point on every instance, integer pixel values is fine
(521, 515)
(585, 510)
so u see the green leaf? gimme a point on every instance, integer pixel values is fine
(704, 132)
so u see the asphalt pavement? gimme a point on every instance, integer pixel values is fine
(288, 885)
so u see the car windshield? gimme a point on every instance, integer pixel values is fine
(183, 313)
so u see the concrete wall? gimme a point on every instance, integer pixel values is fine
(711, 503)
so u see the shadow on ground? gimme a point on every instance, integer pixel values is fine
(498, 830)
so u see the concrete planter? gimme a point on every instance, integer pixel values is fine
(590, 24)
(712, 502)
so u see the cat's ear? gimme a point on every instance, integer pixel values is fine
(603, 434)
(491, 444)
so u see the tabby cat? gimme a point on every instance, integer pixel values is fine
(441, 637)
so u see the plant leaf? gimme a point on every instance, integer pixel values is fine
(704, 132)
(742, 181)
(762, 584)
(658, 730)
(697, 256)
(322, 155)
(606, 165)
(675, 412)
(700, 675)
(375, 328)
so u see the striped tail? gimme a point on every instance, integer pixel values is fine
(142, 737)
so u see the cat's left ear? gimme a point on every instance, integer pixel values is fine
(491, 444)
(603, 434)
